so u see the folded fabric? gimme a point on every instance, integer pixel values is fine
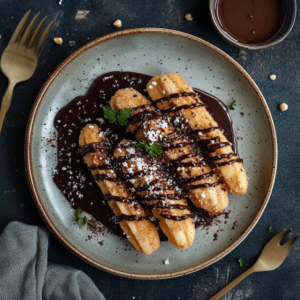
(25, 273)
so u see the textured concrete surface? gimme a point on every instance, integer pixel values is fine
(79, 21)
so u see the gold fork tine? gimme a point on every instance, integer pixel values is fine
(280, 236)
(20, 28)
(42, 39)
(36, 33)
(29, 29)
(275, 241)
(289, 244)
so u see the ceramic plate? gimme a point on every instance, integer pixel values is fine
(154, 51)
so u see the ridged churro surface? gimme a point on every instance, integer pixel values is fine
(172, 94)
(142, 233)
(158, 192)
(179, 151)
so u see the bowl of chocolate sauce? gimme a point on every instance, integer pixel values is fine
(253, 24)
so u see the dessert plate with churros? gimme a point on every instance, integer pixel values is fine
(150, 153)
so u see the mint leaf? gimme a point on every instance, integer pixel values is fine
(123, 116)
(84, 219)
(241, 262)
(120, 118)
(154, 149)
(142, 144)
(231, 106)
(90, 223)
(110, 114)
(78, 212)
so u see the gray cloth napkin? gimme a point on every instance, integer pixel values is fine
(25, 273)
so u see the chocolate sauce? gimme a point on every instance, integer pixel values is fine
(227, 163)
(93, 147)
(196, 178)
(250, 21)
(208, 145)
(177, 218)
(73, 177)
(170, 206)
(131, 218)
(164, 178)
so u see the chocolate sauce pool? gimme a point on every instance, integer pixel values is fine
(72, 175)
(250, 21)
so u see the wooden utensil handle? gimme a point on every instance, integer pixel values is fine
(232, 284)
(6, 102)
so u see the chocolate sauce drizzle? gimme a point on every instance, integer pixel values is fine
(176, 95)
(177, 218)
(106, 164)
(132, 218)
(148, 165)
(177, 140)
(207, 145)
(72, 176)
(94, 147)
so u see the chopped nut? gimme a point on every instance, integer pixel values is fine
(189, 17)
(272, 77)
(118, 23)
(58, 40)
(283, 106)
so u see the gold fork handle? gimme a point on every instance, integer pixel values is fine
(232, 284)
(6, 102)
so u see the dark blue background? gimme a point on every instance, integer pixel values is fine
(16, 202)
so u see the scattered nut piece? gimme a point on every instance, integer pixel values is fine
(272, 77)
(117, 23)
(189, 17)
(58, 41)
(283, 106)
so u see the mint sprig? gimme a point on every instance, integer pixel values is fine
(231, 106)
(120, 118)
(154, 149)
(84, 220)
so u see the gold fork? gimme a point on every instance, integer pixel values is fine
(19, 59)
(270, 259)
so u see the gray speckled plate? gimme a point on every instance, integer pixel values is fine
(154, 51)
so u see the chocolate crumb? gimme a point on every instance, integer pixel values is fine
(234, 224)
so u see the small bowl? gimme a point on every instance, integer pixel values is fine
(282, 33)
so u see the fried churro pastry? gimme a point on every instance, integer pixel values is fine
(179, 151)
(171, 94)
(158, 192)
(133, 219)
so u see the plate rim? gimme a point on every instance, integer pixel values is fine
(30, 172)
